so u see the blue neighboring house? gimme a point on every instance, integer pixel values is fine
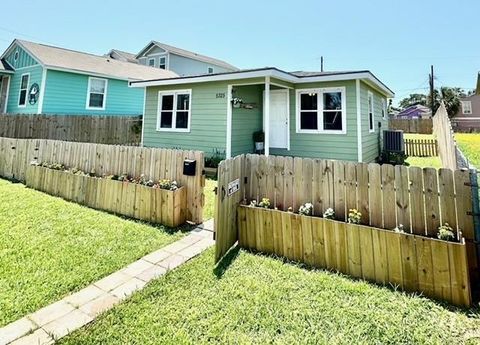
(42, 79)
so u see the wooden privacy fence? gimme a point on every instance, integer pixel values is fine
(17, 154)
(447, 147)
(420, 126)
(414, 263)
(421, 147)
(129, 199)
(419, 199)
(119, 130)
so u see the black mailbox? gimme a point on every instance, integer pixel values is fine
(189, 167)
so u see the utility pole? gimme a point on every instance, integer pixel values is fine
(321, 63)
(432, 90)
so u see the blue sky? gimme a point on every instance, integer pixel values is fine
(396, 40)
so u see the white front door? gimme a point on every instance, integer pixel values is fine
(279, 122)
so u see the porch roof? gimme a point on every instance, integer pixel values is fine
(5, 67)
(297, 77)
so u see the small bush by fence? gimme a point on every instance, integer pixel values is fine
(419, 199)
(420, 126)
(16, 156)
(118, 130)
(421, 147)
(129, 199)
(437, 268)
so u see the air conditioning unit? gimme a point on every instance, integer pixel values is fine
(393, 141)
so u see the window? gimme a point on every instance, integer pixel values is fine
(371, 118)
(97, 93)
(174, 111)
(22, 95)
(210, 70)
(384, 108)
(466, 107)
(321, 111)
(15, 56)
(162, 62)
(151, 62)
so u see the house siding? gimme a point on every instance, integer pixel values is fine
(321, 145)
(35, 72)
(184, 66)
(66, 93)
(247, 121)
(24, 59)
(371, 141)
(208, 123)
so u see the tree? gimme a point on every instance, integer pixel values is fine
(413, 99)
(450, 95)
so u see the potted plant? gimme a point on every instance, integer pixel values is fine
(237, 102)
(212, 162)
(259, 139)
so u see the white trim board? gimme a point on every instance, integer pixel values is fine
(359, 121)
(271, 72)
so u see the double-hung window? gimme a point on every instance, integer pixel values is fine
(174, 111)
(466, 107)
(151, 62)
(384, 108)
(97, 93)
(22, 96)
(371, 117)
(162, 62)
(321, 111)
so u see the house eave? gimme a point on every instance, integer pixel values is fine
(366, 76)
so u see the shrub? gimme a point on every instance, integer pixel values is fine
(329, 213)
(166, 184)
(399, 229)
(265, 203)
(445, 232)
(354, 216)
(306, 210)
(258, 136)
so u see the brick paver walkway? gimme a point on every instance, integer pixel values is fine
(76, 310)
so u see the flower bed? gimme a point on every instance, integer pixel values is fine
(434, 267)
(158, 202)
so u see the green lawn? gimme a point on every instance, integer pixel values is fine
(469, 143)
(425, 162)
(262, 300)
(209, 207)
(50, 247)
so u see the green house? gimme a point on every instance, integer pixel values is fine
(329, 115)
(42, 79)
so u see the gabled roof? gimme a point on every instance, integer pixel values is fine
(297, 77)
(5, 67)
(188, 54)
(78, 62)
(130, 57)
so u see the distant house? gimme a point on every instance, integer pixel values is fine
(181, 61)
(416, 111)
(330, 115)
(42, 79)
(468, 117)
(122, 56)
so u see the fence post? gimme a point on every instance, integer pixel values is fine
(475, 211)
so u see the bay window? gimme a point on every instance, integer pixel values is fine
(174, 111)
(321, 111)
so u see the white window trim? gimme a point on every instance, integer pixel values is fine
(319, 111)
(174, 111)
(166, 61)
(370, 95)
(87, 104)
(20, 91)
(148, 62)
(470, 107)
(384, 108)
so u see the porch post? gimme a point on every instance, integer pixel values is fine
(229, 123)
(266, 116)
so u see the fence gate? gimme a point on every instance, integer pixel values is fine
(230, 193)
